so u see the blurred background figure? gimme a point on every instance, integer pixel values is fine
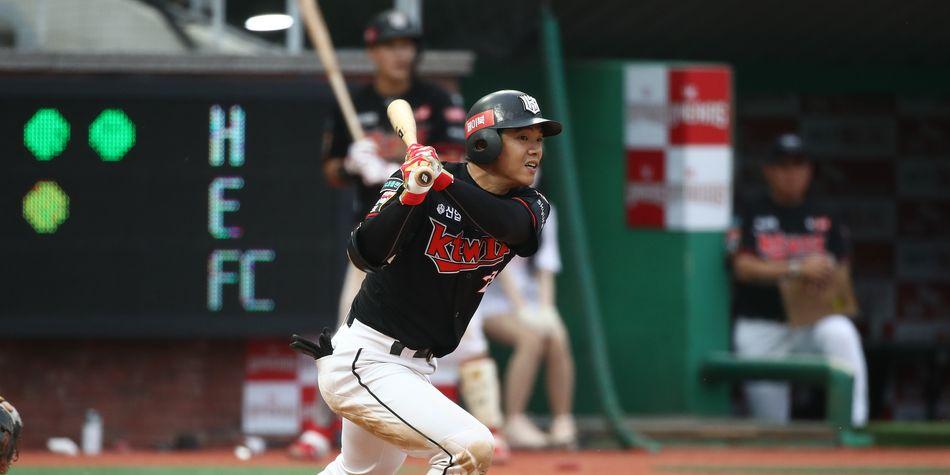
(786, 235)
(394, 45)
(520, 311)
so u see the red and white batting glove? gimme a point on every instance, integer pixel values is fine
(442, 178)
(415, 191)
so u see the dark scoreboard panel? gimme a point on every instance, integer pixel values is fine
(166, 206)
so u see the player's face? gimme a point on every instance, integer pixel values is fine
(394, 59)
(520, 157)
(789, 179)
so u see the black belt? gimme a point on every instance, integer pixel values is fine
(396, 350)
(397, 346)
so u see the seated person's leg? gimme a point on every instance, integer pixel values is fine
(762, 338)
(560, 385)
(836, 337)
(519, 377)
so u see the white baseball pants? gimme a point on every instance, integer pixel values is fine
(390, 409)
(833, 336)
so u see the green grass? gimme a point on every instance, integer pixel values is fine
(910, 434)
(806, 470)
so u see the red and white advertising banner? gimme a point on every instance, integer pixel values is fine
(272, 394)
(678, 140)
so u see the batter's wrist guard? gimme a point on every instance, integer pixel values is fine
(409, 198)
(443, 181)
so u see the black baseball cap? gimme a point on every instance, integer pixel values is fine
(389, 25)
(787, 146)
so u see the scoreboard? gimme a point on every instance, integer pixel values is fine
(166, 206)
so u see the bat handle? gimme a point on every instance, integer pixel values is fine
(424, 178)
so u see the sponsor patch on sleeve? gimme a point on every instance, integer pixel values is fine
(390, 189)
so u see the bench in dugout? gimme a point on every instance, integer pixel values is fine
(837, 380)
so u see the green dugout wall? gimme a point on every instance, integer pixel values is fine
(664, 294)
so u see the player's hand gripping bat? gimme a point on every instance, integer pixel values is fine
(404, 123)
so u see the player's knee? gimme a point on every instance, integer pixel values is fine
(482, 452)
(481, 448)
(837, 330)
(476, 449)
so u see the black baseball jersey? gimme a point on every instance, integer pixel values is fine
(439, 123)
(426, 294)
(773, 232)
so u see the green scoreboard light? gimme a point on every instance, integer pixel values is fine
(176, 206)
(46, 134)
(112, 135)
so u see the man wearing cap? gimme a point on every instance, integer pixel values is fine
(393, 44)
(786, 235)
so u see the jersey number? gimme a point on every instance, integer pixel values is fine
(488, 280)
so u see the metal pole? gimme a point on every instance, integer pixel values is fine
(294, 36)
(42, 10)
(217, 22)
(579, 243)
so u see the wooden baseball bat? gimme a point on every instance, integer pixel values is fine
(404, 123)
(320, 37)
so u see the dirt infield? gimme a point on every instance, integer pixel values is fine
(668, 461)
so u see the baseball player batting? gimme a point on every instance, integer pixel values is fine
(430, 253)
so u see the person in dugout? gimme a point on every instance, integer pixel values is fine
(787, 235)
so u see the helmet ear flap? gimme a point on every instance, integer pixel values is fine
(483, 146)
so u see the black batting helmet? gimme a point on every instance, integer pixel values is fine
(507, 109)
(389, 25)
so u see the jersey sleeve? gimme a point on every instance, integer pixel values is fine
(549, 254)
(539, 208)
(389, 190)
(381, 234)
